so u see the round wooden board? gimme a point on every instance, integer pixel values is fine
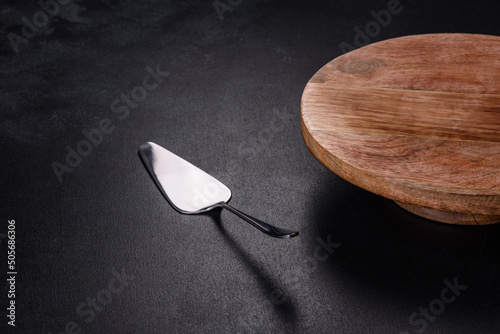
(415, 119)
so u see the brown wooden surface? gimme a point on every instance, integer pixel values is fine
(415, 119)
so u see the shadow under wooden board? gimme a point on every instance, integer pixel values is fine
(415, 119)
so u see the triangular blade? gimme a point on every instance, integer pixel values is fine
(185, 186)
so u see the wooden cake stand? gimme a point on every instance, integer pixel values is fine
(415, 119)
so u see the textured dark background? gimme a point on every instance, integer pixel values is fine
(228, 80)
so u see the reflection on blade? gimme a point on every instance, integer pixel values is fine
(186, 187)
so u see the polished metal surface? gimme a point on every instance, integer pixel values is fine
(190, 190)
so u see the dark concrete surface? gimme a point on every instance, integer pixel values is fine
(98, 250)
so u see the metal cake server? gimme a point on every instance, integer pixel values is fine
(190, 190)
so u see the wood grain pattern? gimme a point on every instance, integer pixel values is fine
(415, 119)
